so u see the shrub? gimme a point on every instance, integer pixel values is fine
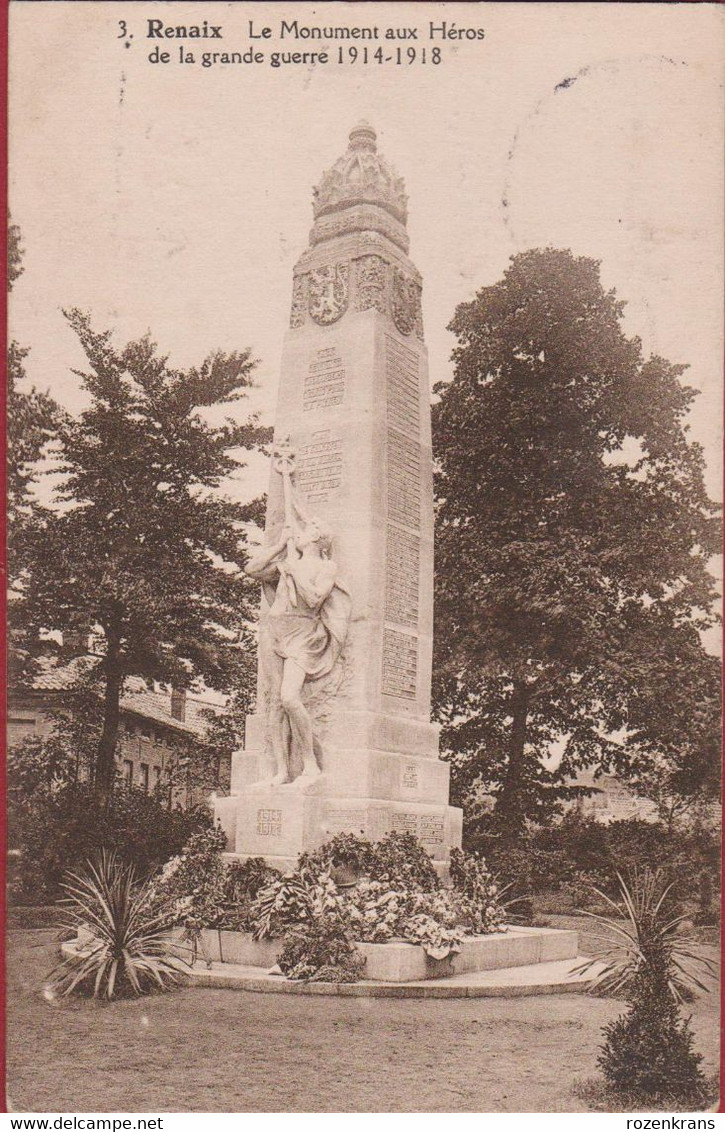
(649, 1050)
(59, 829)
(565, 862)
(129, 952)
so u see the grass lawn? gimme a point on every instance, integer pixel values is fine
(233, 1051)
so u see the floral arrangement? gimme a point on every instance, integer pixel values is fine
(243, 882)
(191, 885)
(478, 897)
(398, 858)
(202, 891)
(379, 914)
(293, 900)
(321, 951)
(396, 895)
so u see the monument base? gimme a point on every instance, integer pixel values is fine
(541, 962)
(402, 962)
(280, 822)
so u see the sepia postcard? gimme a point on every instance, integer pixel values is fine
(364, 432)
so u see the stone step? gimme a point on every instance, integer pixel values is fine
(556, 977)
(359, 772)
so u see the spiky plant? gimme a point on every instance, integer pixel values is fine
(644, 936)
(129, 951)
(649, 961)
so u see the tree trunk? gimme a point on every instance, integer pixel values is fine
(105, 774)
(510, 802)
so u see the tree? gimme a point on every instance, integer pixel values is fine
(31, 416)
(15, 254)
(207, 764)
(32, 421)
(573, 537)
(141, 543)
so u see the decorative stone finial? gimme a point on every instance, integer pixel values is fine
(361, 176)
(363, 136)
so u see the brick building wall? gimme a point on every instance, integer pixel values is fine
(153, 736)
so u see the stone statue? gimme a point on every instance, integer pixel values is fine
(306, 628)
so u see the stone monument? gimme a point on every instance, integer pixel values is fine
(342, 739)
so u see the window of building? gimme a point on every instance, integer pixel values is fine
(20, 726)
(156, 771)
(128, 772)
(144, 769)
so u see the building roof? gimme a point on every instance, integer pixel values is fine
(137, 698)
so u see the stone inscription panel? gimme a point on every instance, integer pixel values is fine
(400, 664)
(324, 384)
(431, 831)
(402, 575)
(345, 821)
(409, 779)
(403, 386)
(269, 823)
(427, 828)
(406, 823)
(403, 480)
(319, 466)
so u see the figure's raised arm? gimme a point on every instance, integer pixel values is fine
(261, 563)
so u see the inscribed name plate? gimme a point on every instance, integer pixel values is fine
(324, 385)
(401, 373)
(319, 466)
(403, 480)
(400, 664)
(402, 577)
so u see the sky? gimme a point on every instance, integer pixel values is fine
(176, 199)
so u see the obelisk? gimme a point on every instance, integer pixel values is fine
(353, 426)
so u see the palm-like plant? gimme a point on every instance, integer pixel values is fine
(649, 1052)
(129, 951)
(644, 938)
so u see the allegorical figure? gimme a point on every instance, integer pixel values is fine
(306, 628)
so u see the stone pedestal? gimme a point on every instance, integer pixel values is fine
(363, 789)
(279, 824)
(354, 403)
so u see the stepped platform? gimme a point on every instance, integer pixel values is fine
(556, 977)
(510, 963)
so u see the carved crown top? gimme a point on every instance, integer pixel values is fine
(361, 176)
